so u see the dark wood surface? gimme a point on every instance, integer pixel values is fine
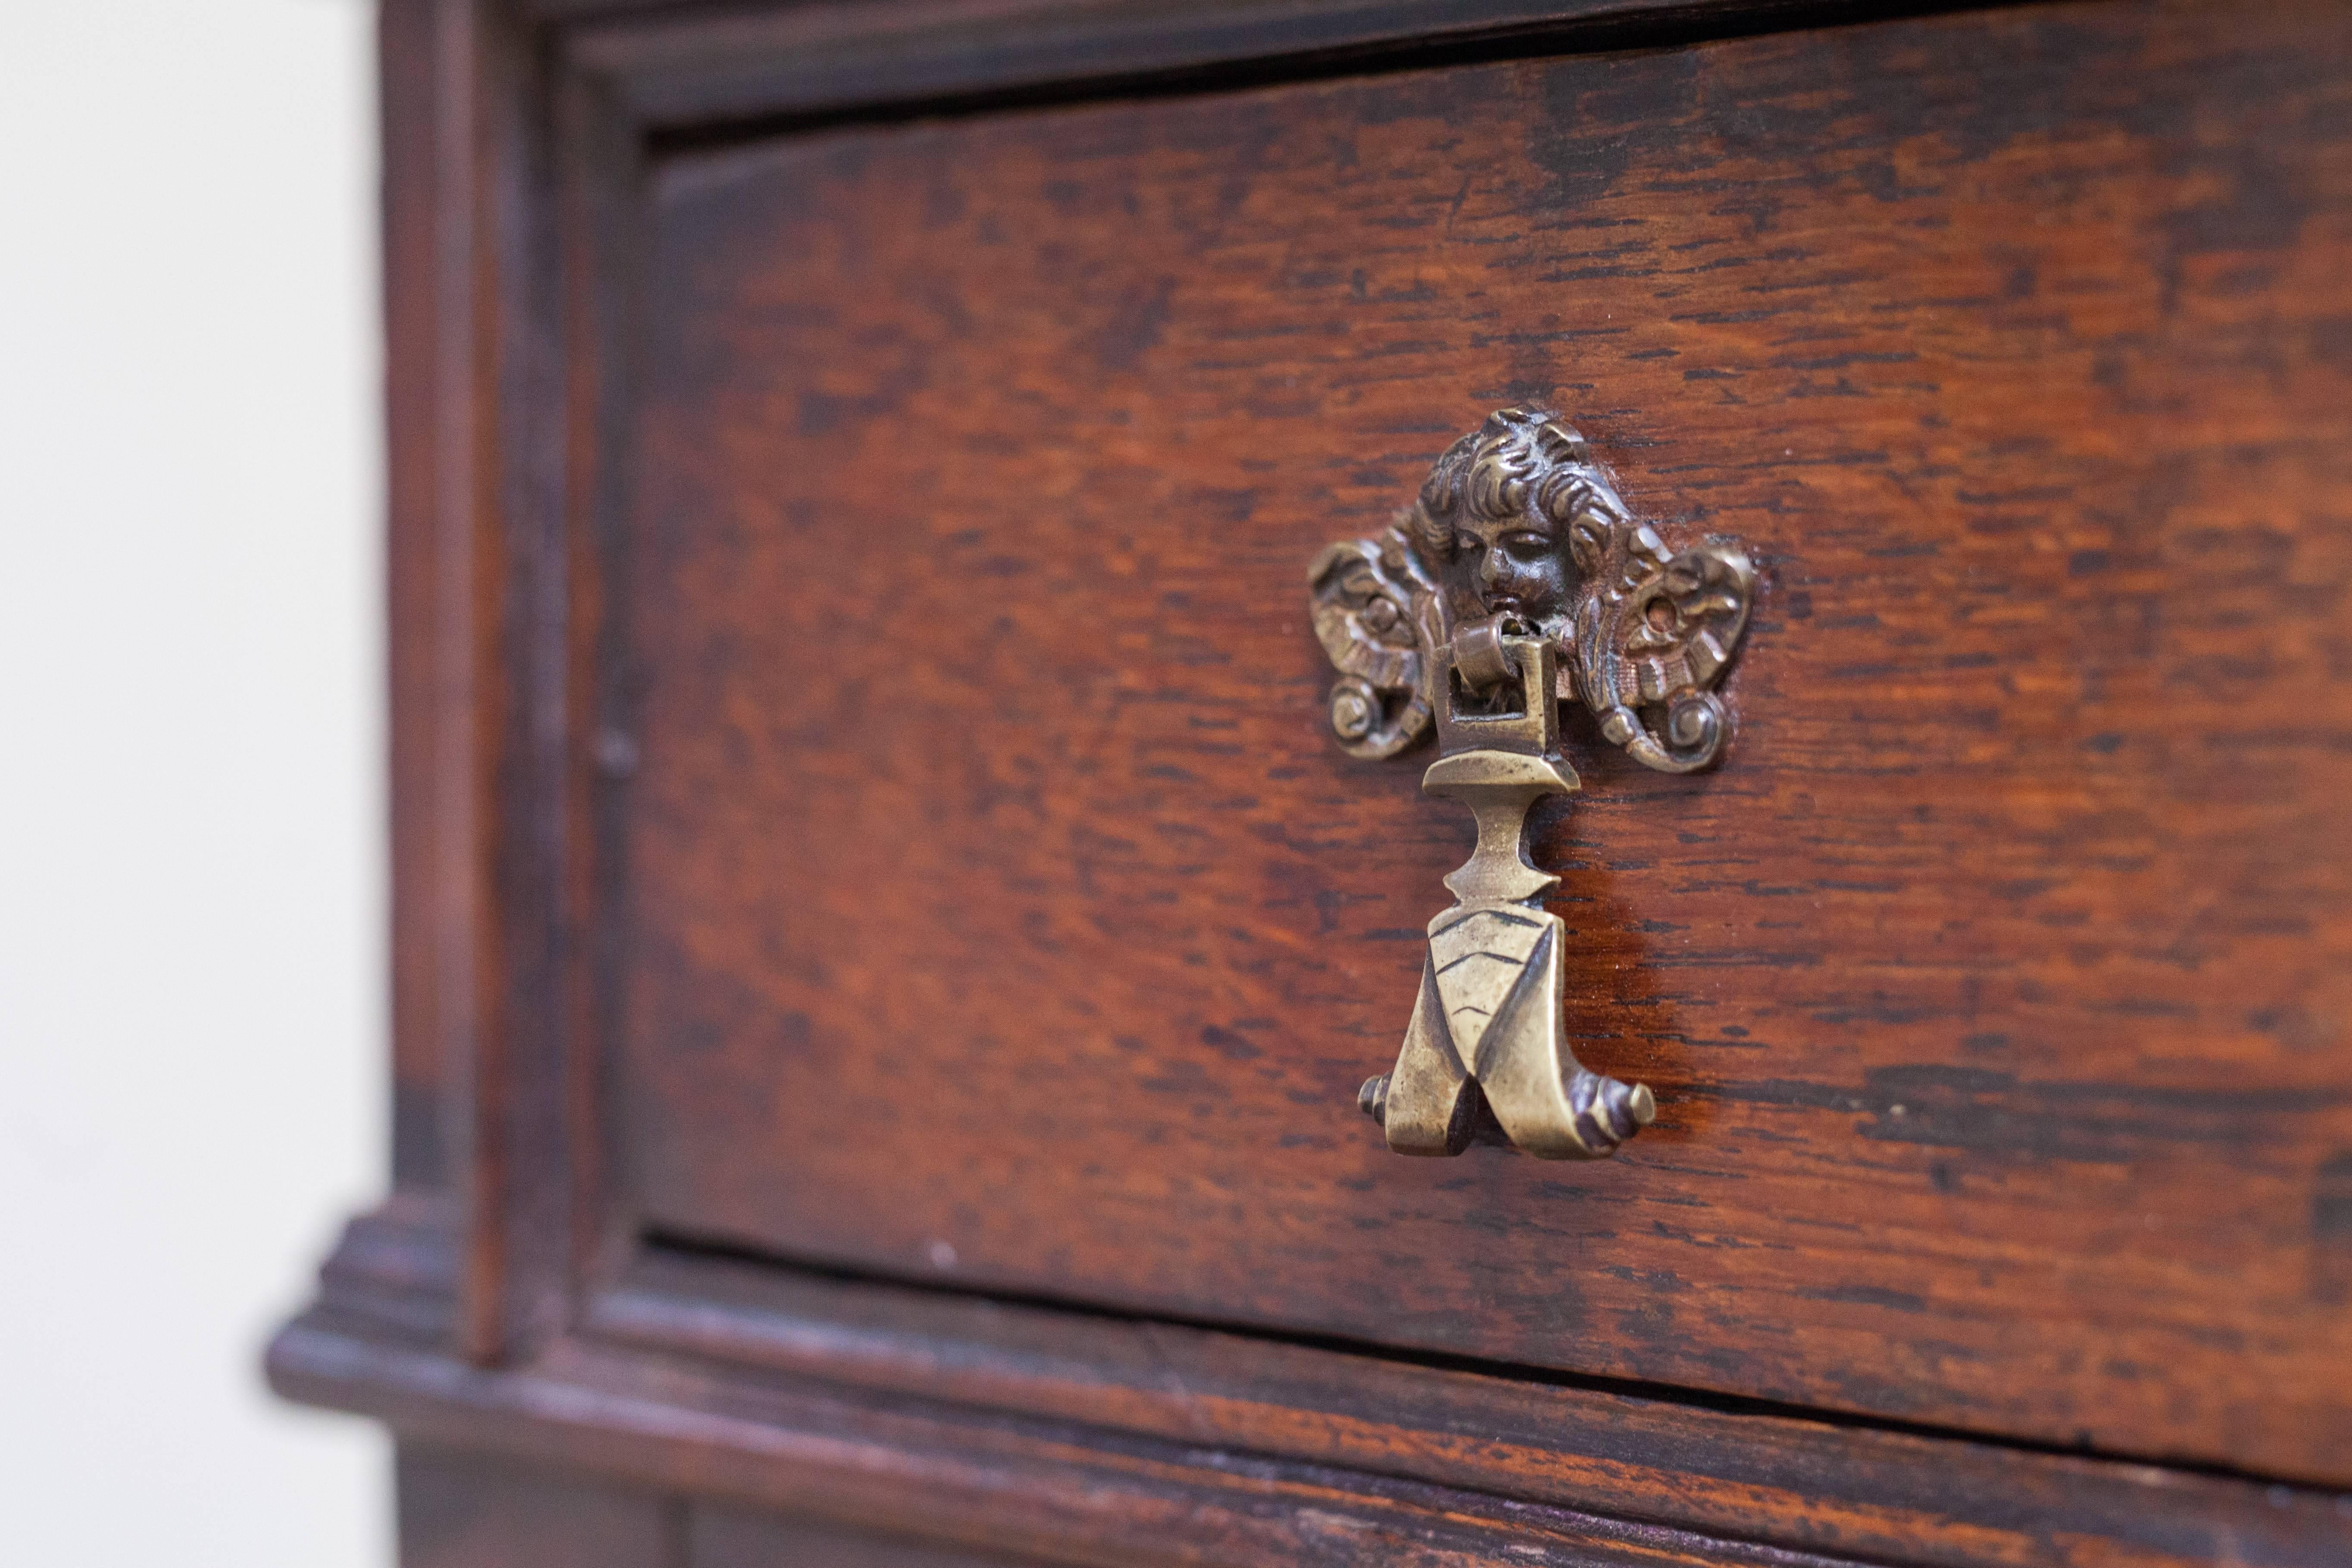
(722, 1537)
(410, 277)
(996, 909)
(477, 600)
(2088, 621)
(1810, 1485)
(1063, 1437)
(462, 1510)
(918, 1469)
(680, 65)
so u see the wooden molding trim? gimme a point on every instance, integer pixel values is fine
(925, 1468)
(1057, 1433)
(678, 65)
(1083, 1438)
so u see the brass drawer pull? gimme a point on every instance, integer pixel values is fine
(1517, 579)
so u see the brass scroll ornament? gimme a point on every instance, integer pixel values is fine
(1516, 580)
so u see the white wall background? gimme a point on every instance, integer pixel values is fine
(191, 869)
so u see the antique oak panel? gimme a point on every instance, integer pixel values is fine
(928, 1415)
(995, 907)
(882, 934)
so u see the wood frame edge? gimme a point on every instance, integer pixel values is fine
(728, 1378)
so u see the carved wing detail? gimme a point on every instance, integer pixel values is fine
(1652, 635)
(1370, 599)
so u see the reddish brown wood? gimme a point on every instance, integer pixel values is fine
(476, 543)
(997, 910)
(467, 1510)
(405, 51)
(1082, 1439)
(929, 503)
(1006, 1489)
(1883, 1496)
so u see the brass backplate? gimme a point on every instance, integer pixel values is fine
(1518, 578)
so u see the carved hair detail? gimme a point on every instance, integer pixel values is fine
(1516, 579)
(1645, 637)
(1517, 456)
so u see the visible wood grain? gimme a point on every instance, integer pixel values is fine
(926, 1472)
(848, 1440)
(2214, 335)
(652, 1389)
(997, 910)
(467, 1510)
(1878, 1495)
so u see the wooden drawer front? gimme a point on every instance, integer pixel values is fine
(996, 907)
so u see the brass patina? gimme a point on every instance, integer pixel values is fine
(1519, 578)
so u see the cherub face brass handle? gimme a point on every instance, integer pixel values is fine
(1519, 578)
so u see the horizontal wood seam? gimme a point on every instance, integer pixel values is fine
(781, 1448)
(885, 76)
(1522, 1373)
(922, 1354)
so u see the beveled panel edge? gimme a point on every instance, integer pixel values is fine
(509, 1110)
(1866, 1286)
(914, 1465)
(1045, 1430)
(679, 64)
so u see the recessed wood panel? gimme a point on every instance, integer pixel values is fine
(995, 907)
